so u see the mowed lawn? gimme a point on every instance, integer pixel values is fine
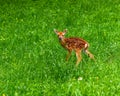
(32, 62)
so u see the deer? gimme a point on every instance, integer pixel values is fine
(73, 44)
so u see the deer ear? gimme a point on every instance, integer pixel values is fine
(56, 31)
(65, 31)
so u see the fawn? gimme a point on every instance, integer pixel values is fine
(73, 43)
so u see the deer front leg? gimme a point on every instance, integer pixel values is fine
(78, 55)
(68, 55)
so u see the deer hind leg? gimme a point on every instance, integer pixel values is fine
(78, 55)
(68, 55)
(90, 54)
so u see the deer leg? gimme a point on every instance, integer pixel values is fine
(79, 57)
(68, 55)
(90, 54)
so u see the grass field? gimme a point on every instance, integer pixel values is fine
(32, 62)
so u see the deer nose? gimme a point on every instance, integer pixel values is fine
(60, 38)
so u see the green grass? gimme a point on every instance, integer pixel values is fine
(32, 62)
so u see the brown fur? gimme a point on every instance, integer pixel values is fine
(73, 43)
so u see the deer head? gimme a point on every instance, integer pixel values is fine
(60, 34)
